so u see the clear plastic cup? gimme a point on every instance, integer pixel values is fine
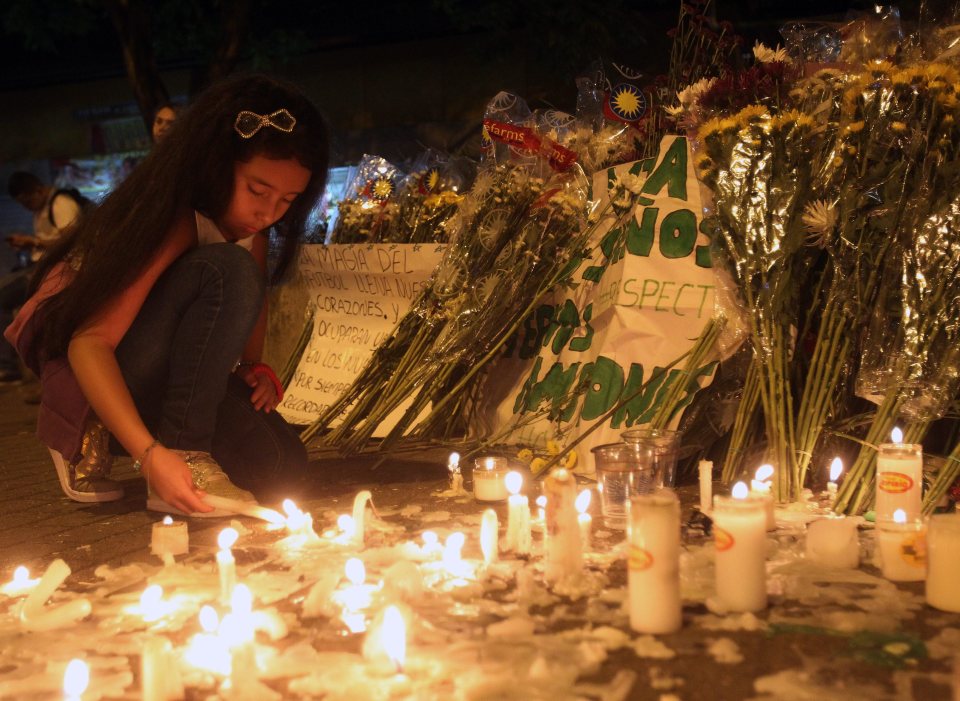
(656, 447)
(622, 472)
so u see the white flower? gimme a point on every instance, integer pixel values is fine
(819, 219)
(674, 111)
(631, 182)
(764, 54)
(691, 94)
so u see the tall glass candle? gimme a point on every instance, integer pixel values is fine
(489, 475)
(899, 480)
(740, 534)
(943, 562)
(902, 547)
(653, 573)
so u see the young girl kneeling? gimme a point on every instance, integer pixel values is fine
(147, 322)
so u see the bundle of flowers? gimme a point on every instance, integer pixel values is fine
(365, 215)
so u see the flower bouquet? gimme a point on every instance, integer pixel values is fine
(365, 216)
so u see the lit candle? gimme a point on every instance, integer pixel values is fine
(452, 559)
(739, 527)
(359, 512)
(489, 530)
(653, 573)
(943, 562)
(237, 628)
(518, 516)
(20, 584)
(563, 554)
(541, 502)
(833, 542)
(836, 468)
(159, 672)
(760, 489)
(395, 637)
(299, 523)
(207, 650)
(152, 606)
(899, 478)
(226, 564)
(348, 529)
(706, 486)
(456, 477)
(489, 480)
(169, 538)
(37, 617)
(903, 548)
(584, 520)
(76, 678)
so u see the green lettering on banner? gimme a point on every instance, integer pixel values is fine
(637, 408)
(568, 321)
(604, 384)
(671, 172)
(612, 247)
(640, 238)
(553, 388)
(678, 234)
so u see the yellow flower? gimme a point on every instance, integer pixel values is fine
(941, 72)
(570, 461)
(526, 455)
(553, 447)
(898, 127)
(709, 128)
(901, 78)
(855, 127)
(704, 163)
(852, 150)
(751, 114)
(537, 465)
(881, 68)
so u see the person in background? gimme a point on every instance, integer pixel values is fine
(53, 212)
(146, 324)
(163, 119)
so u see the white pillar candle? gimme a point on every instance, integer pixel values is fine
(226, 564)
(902, 548)
(836, 468)
(584, 520)
(899, 480)
(834, 542)
(76, 679)
(169, 538)
(943, 562)
(706, 486)
(489, 534)
(37, 617)
(563, 555)
(518, 516)
(159, 672)
(359, 511)
(456, 476)
(489, 479)
(739, 526)
(653, 573)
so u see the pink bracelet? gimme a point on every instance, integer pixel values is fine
(267, 371)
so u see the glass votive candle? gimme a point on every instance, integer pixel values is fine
(489, 479)
(622, 472)
(902, 549)
(943, 562)
(899, 480)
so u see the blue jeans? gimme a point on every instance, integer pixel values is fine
(177, 359)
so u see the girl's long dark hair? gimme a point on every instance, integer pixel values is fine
(191, 169)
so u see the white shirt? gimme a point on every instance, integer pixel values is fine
(207, 233)
(65, 210)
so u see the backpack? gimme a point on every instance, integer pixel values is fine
(83, 202)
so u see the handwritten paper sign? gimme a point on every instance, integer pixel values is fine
(359, 292)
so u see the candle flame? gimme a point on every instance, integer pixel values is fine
(453, 463)
(346, 524)
(541, 501)
(209, 620)
(514, 481)
(290, 508)
(488, 463)
(456, 540)
(21, 575)
(227, 538)
(740, 490)
(151, 596)
(355, 571)
(167, 520)
(242, 600)
(899, 516)
(896, 435)
(430, 538)
(76, 678)
(836, 467)
(583, 501)
(764, 472)
(394, 636)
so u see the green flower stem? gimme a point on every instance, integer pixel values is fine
(743, 423)
(945, 478)
(698, 353)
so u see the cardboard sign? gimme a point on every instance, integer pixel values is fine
(641, 301)
(359, 292)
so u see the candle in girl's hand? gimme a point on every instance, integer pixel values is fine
(584, 520)
(489, 529)
(899, 478)
(562, 550)
(739, 527)
(518, 516)
(226, 564)
(76, 678)
(706, 486)
(653, 573)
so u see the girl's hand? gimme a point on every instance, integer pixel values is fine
(170, 479)
(264, 394)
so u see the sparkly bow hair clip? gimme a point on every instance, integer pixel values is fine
(249, 123)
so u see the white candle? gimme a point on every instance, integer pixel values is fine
(37, 617)
(943, 562)
(541, 502)
(226, 564)
(563, 554)
(518, 516)
(706, 486)
(169, 538)
(653, 573)
(833, 542)
(20, 584)
(489, 529)
(489, 480)
(452, 558)
(836, 468)
(207, 650)
(902, 547)
(76, 678)
(456, 476)
(899, 479)
(760, 488)
(584, 520)
(299, 523)
(159, 672)
(739, 526)
(386, 644)
(359, 512)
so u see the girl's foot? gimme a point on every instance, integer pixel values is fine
(88, 479)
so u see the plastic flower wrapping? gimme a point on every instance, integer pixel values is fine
(366, 214)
